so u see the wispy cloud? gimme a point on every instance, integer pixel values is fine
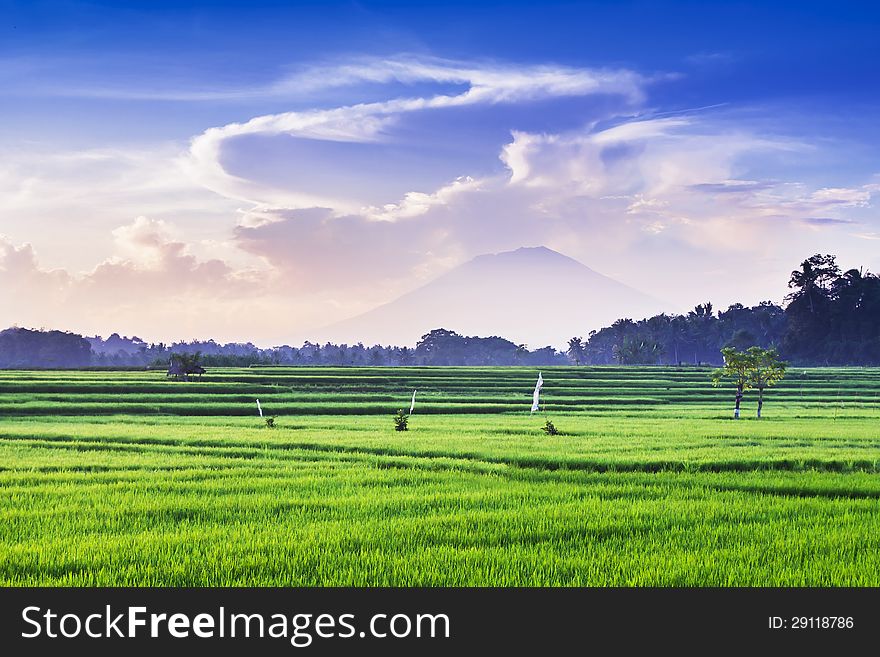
(487, 84)
(707, 58)
(826, 221)
(485, 81)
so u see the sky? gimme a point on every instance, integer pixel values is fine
(258, 170)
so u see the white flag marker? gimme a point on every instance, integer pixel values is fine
(536, 397)
(259, 408)
(412, 404)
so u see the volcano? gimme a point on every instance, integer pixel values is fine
(532, 295)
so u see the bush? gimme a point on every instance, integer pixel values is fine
(550, 429)
(400, 421)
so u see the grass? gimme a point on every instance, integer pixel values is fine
(123, 478)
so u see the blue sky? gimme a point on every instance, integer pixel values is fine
(234, 158)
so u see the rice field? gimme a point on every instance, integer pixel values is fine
(125, 478)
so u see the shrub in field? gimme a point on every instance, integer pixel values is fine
(550, 429)
(400, 421)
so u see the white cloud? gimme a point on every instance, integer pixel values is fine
(414, 204)
(19, 268)
(151, 270)
(67, 202)
(642, 205)
(841, 196)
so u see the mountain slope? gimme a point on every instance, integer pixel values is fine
(531, 295)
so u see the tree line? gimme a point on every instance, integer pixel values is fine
(22, 348)
(831, 317)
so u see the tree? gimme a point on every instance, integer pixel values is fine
(441, 347)
(576, 351)
(737, 368)
(741, 339)
(376, 357)
(703, 332)
(813, 279)
(766, 370)
(406, 356)
(637, 351)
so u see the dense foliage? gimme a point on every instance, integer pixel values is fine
(21, 347)
(832, 318)
(695, 338)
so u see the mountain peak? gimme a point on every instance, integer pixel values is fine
(526, 257)
(525, 252)
(534, 250)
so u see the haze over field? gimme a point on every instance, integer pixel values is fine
(258, 172)
(532, 295)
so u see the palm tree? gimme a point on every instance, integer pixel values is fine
(576, 350)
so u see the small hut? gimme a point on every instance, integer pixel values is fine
(183, 366)
(175, 370)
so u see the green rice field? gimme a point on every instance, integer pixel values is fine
(126, 478)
